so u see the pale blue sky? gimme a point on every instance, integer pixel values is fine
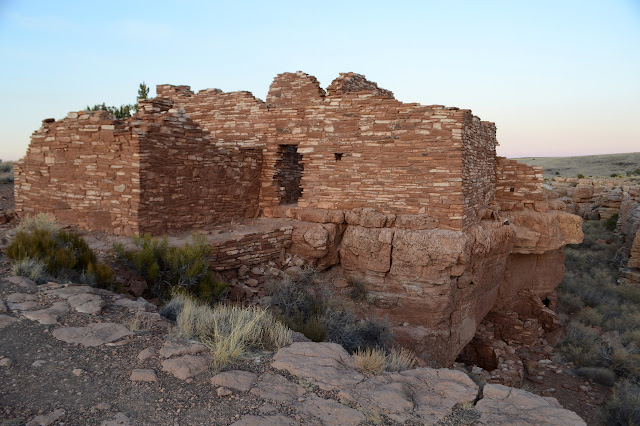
(557, 77)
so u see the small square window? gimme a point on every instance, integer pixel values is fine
(338, 156)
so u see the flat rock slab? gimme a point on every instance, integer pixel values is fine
(93, 334)
(501, 405)
(251, 420)
(235, 379)
(423, 394)
(186, 366)
(170, 349)
(22, 281)
(120, 419)
(330, 412)
(238, 380)
(326, 365)
(71, 290)
(86, 303)
(139, 305)
(49, 315)
(46, 420)
(6, 320)
(275, 387)
(143, 375)
(21, 301)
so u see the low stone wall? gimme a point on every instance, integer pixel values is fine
(255, 243)
(518, 186)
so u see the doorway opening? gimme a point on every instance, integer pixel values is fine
(288, 174)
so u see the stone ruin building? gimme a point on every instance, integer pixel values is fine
(409, 198)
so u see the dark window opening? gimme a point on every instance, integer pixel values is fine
(338, 156)
(288, 174)
(511, 189)
(546, 302)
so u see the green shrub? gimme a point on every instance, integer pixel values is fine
(64, 253)
(611, 223)
(6, 171)
(582, 346)
(165, 267)
(623, 408)
(311, 311)
(603, 376)
(580, 176)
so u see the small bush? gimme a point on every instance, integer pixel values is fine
(370, 360)
(230, 331)
(165, 267)
(611, 223)
(580, 176)
(557, 173)
(614, 175)
(311, 311)
(583, 347)
(64, 253)
(623, 408)
(603, 376)
(6, 171)
(35, 270)
(358, 290)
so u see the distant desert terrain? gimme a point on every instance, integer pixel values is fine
(588, 165)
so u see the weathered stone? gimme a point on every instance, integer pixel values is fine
(21, 301)
(6, 320)
(236, 379)
(21, 281)
(46, 420)
(501, 405)
(326, 365)
(222, 392)
(147, 353)
(426, 393)
(277, 420)
(186, 366)
(330, 412)
(143, 375)
(170, 349)
(93, 334)
(49, 315)
(120, 419)
(275, 387)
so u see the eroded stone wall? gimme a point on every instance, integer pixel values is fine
(188, 182)
(157, 172)
(84, 170)
(518, 186)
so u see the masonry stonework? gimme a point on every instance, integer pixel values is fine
(411, 199)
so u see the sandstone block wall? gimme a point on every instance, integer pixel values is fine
(157, 172)
(85, 170)
(518, 185)
(188, 182)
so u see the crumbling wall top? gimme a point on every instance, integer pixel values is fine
(349, 82)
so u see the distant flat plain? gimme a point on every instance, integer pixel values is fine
(589, 165)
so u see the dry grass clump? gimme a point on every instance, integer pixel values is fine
(377, 360)
(229, 331)
(401, 359)
(6, 171)
(41, 221)
(370, 360)
(34, 269)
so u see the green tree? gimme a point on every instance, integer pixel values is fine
(123, 111)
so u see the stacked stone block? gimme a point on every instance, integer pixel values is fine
(518, 186)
